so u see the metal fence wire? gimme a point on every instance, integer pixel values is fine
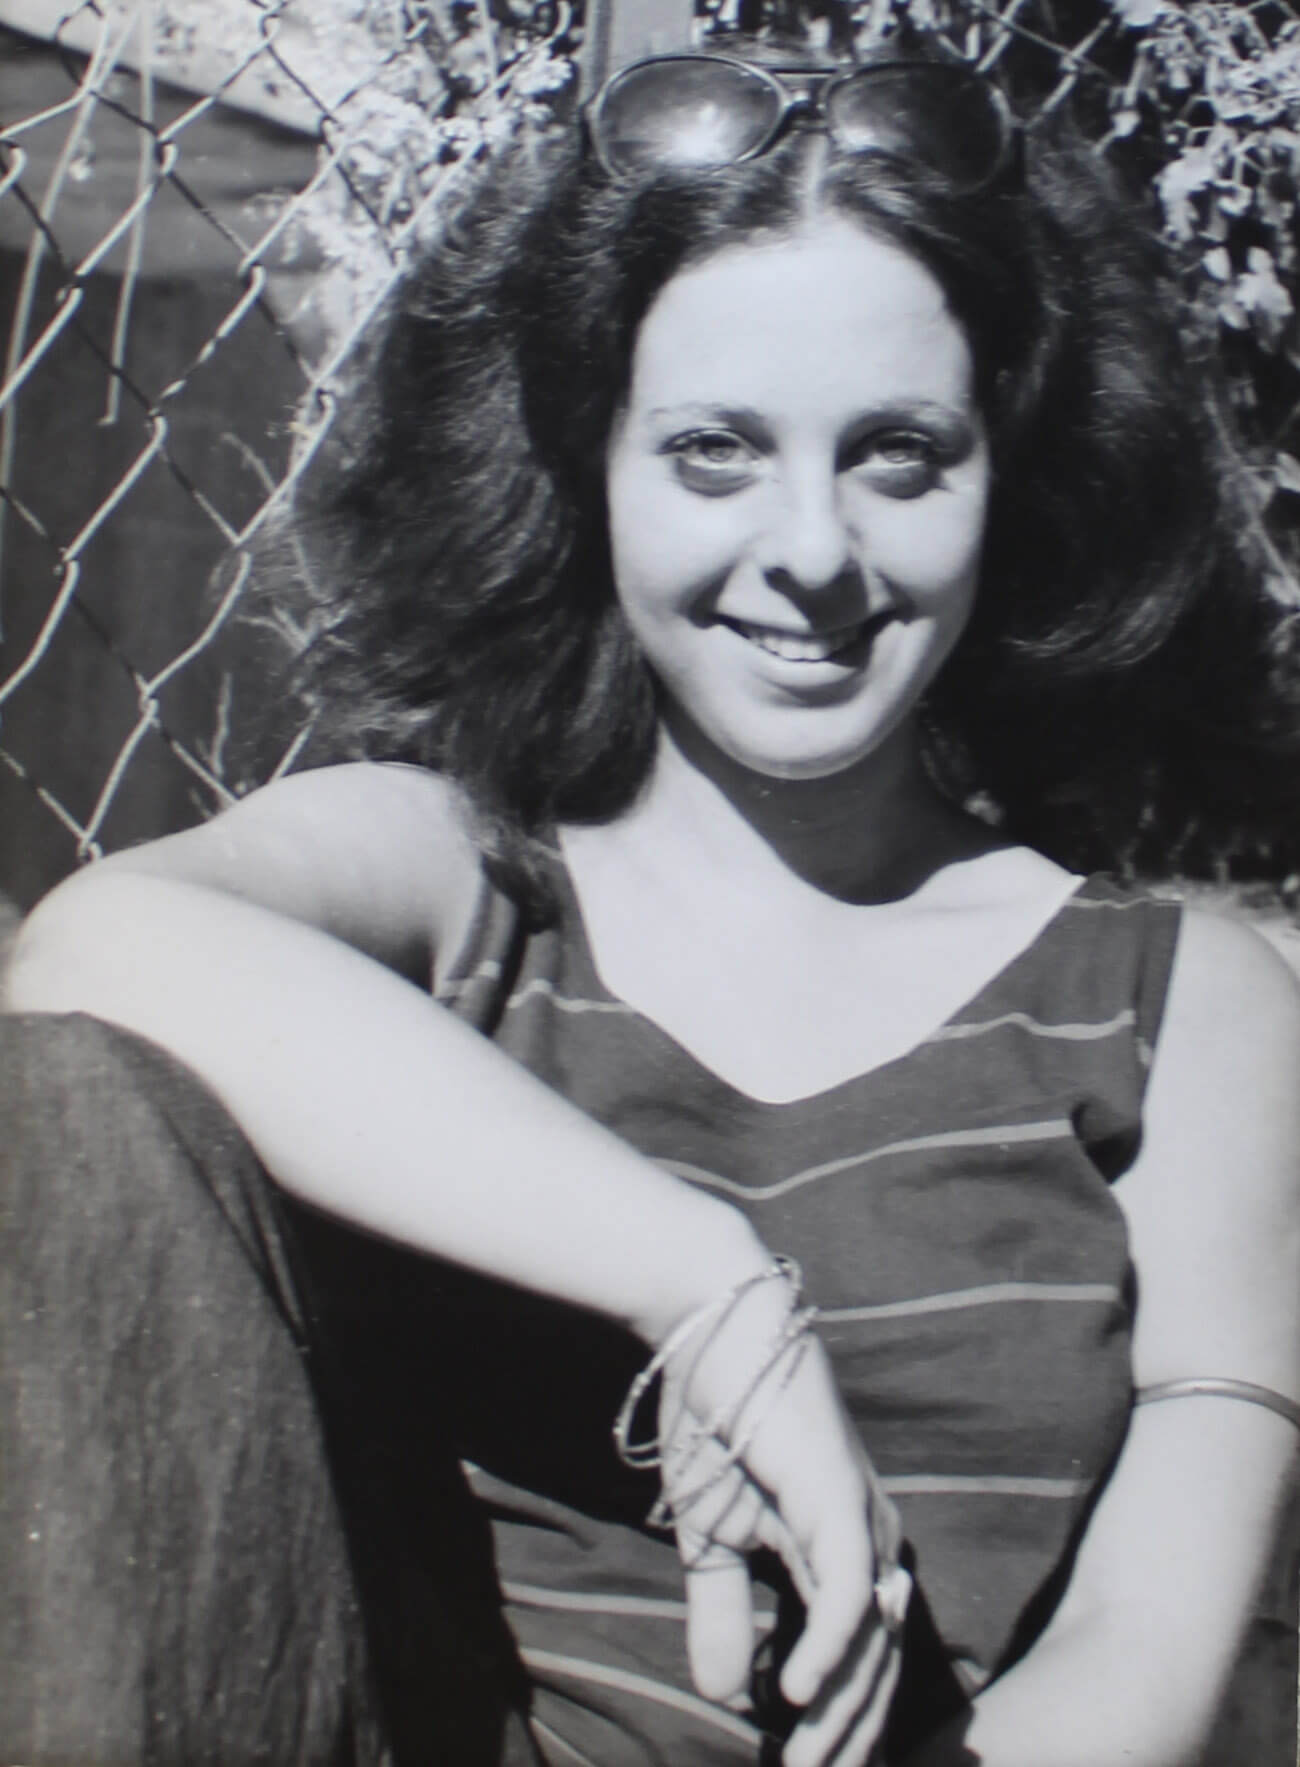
(203, 204)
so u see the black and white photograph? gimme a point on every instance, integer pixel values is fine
(649, 883)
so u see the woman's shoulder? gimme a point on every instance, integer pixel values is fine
(1219, 1172)
(1230, 1042)
(1230, 982)
(1230, 1050)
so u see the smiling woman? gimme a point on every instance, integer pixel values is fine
(799, 466)
(728, 498)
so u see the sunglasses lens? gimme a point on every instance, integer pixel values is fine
(684, 112)
(925, 114)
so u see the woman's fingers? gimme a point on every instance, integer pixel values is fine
(847, 1720)
(719, 1621)
(844, 1666)
(840, 1565)
(851, 1553)
(780, 1465)
(714, 1531)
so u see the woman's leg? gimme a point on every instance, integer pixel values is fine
(176, 1583)
(392, 1353)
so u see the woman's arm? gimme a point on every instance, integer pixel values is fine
(1133, 1666)
(269, 952)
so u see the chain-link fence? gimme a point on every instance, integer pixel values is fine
(202, 202)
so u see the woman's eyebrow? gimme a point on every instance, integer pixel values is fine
(691, 412)
(902, 409)
(956, 427)
(897, 409)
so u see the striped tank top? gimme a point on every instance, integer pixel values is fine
(952, 1213)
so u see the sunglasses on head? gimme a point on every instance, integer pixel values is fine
(699, 112)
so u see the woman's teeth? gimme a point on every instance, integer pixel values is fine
(800, 647)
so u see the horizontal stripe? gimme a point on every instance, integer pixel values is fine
(661, 1692)
(1001, 1135)
(553, 1737)
(540, 989)
(635, 1607)
(989, 1294)
(1124, 902)
(487, 971)
(1022, 1021)
(982, 1485)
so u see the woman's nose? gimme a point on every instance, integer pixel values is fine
(809, 540)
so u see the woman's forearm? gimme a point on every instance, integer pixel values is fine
(1094, 1694)
(364, 1097)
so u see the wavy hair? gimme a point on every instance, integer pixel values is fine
(1126, 687)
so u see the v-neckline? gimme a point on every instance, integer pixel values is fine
(594, 983)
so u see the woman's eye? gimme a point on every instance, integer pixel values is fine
(712, 461)
(899, 463)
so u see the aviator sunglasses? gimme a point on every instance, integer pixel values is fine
(695, 111)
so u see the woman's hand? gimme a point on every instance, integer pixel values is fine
(801, 1486)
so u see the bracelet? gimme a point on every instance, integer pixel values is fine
(714, 1313)
(794, 1335)
(721, 1426)
(1220, 1387)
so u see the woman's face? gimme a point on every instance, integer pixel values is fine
(797, 488)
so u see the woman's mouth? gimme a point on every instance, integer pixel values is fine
(807, 647)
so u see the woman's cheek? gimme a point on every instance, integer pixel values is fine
(690, 544)
(930, 550)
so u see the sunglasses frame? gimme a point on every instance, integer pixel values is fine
(807, 105)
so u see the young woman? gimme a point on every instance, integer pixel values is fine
(743, 486)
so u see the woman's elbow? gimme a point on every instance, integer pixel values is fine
(55, 960)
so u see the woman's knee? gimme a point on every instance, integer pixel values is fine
(169, 1517)
(146, 1268)
(117, 1160)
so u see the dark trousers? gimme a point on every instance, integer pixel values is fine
(229, 1528)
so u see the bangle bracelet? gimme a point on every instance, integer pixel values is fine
(1220, 1387)
(714, 1312)
(725, 1421)
(668, 1506)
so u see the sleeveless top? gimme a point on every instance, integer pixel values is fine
(952, 1213)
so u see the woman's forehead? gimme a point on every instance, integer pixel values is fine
(830, 314)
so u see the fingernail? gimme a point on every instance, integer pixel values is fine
(795, 1687)
(893, 1592)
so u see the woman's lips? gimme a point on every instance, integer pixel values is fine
(808, 647)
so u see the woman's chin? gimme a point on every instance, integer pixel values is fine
(793, 763)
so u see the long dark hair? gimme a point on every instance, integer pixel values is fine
(1126, 688)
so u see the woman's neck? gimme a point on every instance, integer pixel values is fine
(872, 833)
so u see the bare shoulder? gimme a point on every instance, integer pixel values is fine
(1213, 1201)
(1228, 1057)
(1223, 962)
(380, 855)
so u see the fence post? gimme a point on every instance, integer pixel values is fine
(620, 31)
